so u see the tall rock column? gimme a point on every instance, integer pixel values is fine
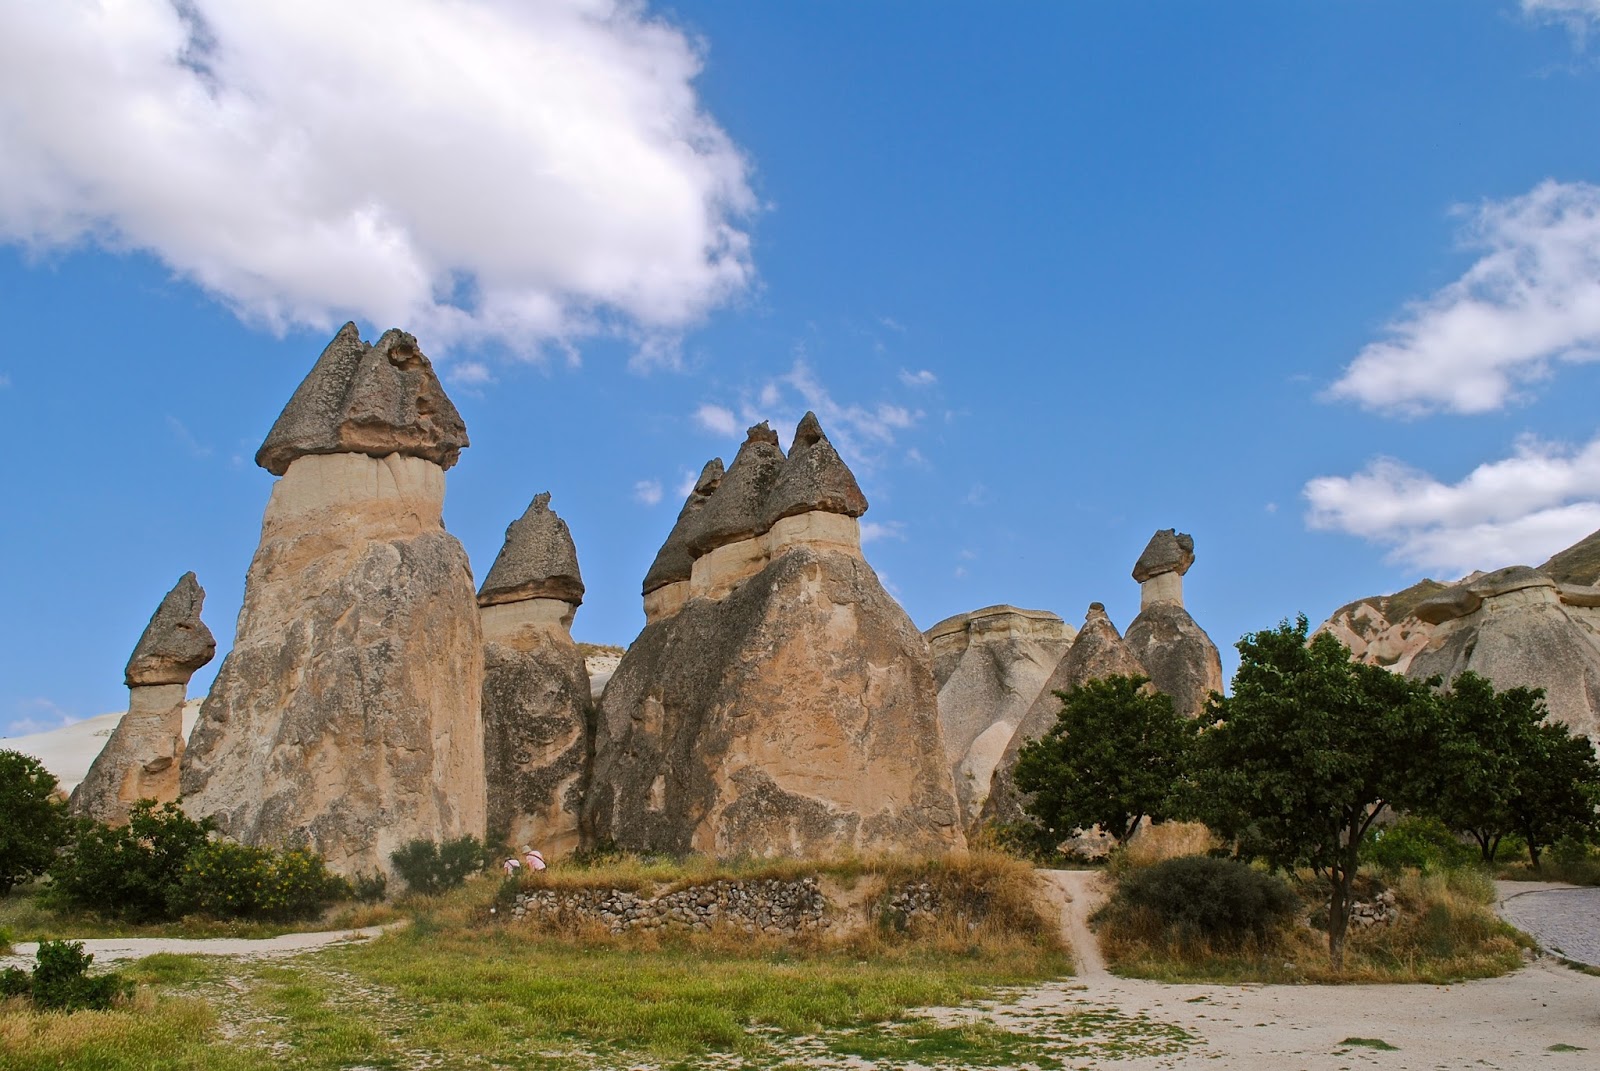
(346, 717)
(536, 700)
(141, 759)
(785, 705)
(1175, 651)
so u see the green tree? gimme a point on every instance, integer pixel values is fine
(1556, 788)
(1114, 756)
(128, 871)
(33, 823)
(1306, 753)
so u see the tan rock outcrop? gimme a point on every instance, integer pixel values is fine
(787, 706)
(346, 718)
(990, 665)
(1174, 650)
(536, 701)
(141, 758)
(1097, 652)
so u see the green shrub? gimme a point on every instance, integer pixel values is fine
(370, 888)
(1198, 898)
(430, 868)
(227, 880)
(33, 823)
(127, 871)
(1420, 843)
(61, 980)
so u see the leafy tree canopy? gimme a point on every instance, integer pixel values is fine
(33, 823)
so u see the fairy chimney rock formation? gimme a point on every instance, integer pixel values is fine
(535, 686)
(141, 759)
(783, 703)
(1098, 651)
(990, 666)
(1175, 651)
(346, 717)
(666, 584)
(1160, 568)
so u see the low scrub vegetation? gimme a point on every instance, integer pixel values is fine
(429, 868)
(1203, 903)
(60, 981)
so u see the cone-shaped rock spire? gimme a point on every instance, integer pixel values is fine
(176, 642)
(537, 561)
(814, 477)
(738, 509)
(673, 561)
(367, 399)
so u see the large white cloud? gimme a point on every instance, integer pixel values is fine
(1515, 511)
(524, 171)
(1533, 298)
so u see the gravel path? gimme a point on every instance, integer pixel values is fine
(1564, 919)
(109, 949)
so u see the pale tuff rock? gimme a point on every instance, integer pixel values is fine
(141, 759)
(990, 666)
(537, 561)
(787, 705)
(176, 642)
(346, 718)
(367, 399)
(535, 686)
(1098, 652)
(1176, 653)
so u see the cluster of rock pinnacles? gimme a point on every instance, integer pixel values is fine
(778, 701)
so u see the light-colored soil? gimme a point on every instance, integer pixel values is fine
(110, 949)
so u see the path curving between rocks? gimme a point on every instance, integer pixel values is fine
(112, 949)
(1564, 919)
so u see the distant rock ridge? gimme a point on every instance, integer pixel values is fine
(1517, 626)
(781, 703)
(990, 666)
(536, 735)
(346, 718)
(141, 758)
(1098, 651)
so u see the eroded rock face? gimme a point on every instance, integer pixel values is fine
(536, 702)
(346, 718)
(1098, 651)
(141, 758)
(374, 399)
(666, 584)
(787, 706)
(1169, 551)
(991, 665)
(1175, 651)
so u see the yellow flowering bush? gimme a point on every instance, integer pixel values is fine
(228, 880)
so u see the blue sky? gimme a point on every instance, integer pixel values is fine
(1319, 284)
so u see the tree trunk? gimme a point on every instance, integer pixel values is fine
(1338, 915)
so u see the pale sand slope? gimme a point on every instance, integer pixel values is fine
(1508, 1022)
(69, 751)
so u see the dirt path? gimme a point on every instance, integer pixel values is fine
(1078, 893)
(109, 949)
(1564, 919)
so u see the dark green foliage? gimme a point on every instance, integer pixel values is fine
(430, 868)
(1499, 767)
(1115, 755)
(61, 980)
(370, 888)
(32, 823)
(1416, 841)
(227, 880)
(128, 871)
(1197, 898)
(1306, 753)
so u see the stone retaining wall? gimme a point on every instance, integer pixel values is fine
(770, 906)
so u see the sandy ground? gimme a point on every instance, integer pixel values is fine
(110, 949)
(1509, 1022)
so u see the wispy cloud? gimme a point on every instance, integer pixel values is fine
(647, 492)
(872, 531)
(528, 174)
(186, 438)
(920, 378)
(5, 381)
(469, 374)
(1517, 510)
(1531, 300)
(38, 715)
(717, 419)
(1578, 16)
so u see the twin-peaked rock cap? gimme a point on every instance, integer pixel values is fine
(738, 508)
(1169, 551)
(370, 399)
(537, 561)
(673, 561)
(176, 642)
(814, 477)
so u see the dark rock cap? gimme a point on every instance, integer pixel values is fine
(537, 560)
(367, 399)
(673, 561)
(175, 642)
(814, 477)
(738, 508)
(1169, 551)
